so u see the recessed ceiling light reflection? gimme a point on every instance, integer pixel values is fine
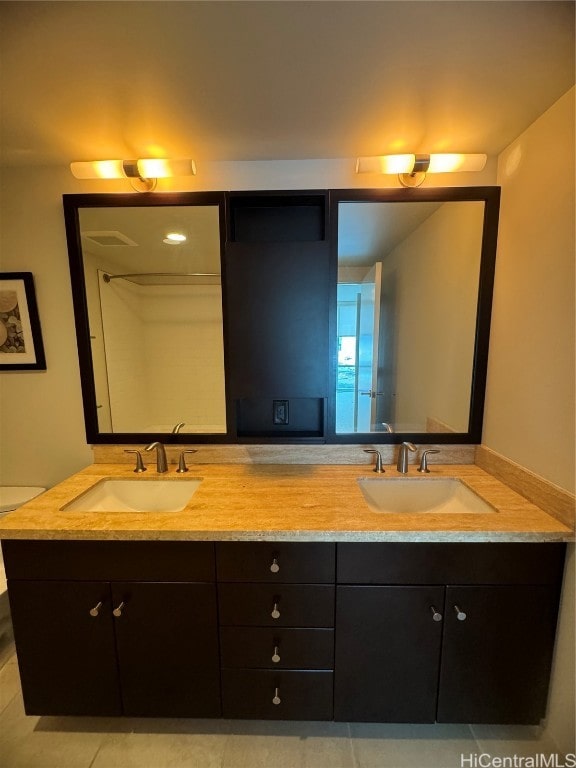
(174, 238)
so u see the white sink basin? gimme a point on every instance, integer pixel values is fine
(416, 495)
(135, 495)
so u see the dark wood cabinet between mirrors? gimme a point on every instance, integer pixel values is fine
(351, 631)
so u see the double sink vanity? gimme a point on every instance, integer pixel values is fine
(285, 592)
(289, 328)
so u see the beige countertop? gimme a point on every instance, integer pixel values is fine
(282, 502)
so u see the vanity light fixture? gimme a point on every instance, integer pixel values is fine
(143, 173)
(412, 169)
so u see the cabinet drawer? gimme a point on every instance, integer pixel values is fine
(297, 605)
(110, 560)
(476, 563)
(276, 562)
(277, 648)
(302, 695)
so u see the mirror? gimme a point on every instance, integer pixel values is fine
(412, 305)
(412, 277)
(151, 297)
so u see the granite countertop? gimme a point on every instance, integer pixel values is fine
(282, 502)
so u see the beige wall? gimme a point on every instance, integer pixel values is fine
(529, 415)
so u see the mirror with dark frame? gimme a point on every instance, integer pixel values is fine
(412, 278)
(146, 276)
(413, 300)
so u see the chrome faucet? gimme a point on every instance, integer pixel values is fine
(161, 462)
(402, 465)
(424, 460)
(178, 427)
(386, 427)
(378, 466)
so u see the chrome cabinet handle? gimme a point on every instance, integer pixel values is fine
(118, 610)
(275, 655)
(275, 567)
(275, 612)
(276, 700)
(96, 610)
(460, 615)
(436, 615)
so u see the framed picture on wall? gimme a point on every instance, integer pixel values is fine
(21, 347)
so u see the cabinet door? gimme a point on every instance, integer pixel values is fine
(278, 296)
(167, 643)
(387, 653)
(66, 654)
(496, 654)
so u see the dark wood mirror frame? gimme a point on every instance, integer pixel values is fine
(490, 196)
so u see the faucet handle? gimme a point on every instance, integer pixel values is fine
(182, 462)
(424, 460)
(139, 463)
(378, 466)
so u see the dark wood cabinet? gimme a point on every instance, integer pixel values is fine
(486, 658)
(276, 631)
(276, 562)
(496, 653)
(115, 647)
(66, 651)
(387, 653)
(277, 647)
(167, 643)
(277, 266)
(354, 631)
(277, 695)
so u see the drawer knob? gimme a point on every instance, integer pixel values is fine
(436, 615)
(460, 615)
(118, 610)
(275, 612)
(96, 610)
(276, 700)
(275, 655)
(274, 567)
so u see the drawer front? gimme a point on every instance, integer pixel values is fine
(300, 563)
(110, 560)
(280, 605)
(277, 648)
(476, 563)
(251, 693)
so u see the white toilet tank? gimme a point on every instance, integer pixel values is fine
(13, 496)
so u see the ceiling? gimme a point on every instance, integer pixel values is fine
(282, 79)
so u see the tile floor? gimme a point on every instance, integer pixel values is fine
(58, 742)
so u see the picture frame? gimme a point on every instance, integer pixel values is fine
(21, 347)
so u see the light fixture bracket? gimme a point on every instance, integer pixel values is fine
(137, 182)
(418, 173)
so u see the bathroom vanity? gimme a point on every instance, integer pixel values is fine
(240, 606)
